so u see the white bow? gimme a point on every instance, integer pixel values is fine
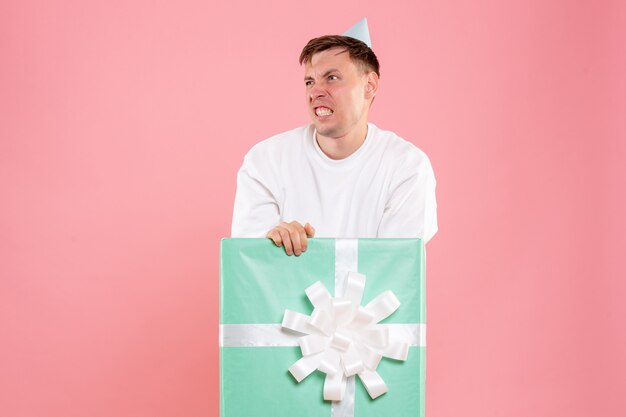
(343, 338)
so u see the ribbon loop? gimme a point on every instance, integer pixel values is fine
(331, 362)
(383, 306)
(377, 336)
(312, 343)
(295, 321)
(342, 310)
(305, 366)
(370, 358)
(340, 342)
(334, 387)
(351, 361)
(322, 320)
(318, 295)
(374, 384)
(354, 287)
(363, 317)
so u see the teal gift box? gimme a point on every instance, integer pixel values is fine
(258, 282)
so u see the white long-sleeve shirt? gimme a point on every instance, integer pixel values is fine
(386, 188)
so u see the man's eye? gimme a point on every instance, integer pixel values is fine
(332, 77)
(308, 83)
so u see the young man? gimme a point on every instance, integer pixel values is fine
(340, 176)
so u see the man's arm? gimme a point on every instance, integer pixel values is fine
(257, 212)
(256, 208)
(411, 210)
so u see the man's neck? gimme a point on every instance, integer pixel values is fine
(343, 146)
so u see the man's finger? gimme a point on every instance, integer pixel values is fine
(296, 241)
(284, 235)
(300, 230)
(310, 230)
(303, 240)
(296, 233)
(275, 236)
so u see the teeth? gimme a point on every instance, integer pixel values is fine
(323, 111)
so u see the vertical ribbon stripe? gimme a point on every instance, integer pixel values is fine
(346, 262)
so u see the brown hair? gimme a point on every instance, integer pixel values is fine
(359, 52)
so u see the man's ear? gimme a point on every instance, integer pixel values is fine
(371, 88)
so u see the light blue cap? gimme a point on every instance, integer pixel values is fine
(360, 31)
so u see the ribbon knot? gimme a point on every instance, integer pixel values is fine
(342, 338)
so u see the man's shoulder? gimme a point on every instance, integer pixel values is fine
(398, 149)
(282, 142)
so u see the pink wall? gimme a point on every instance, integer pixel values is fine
(122, 128)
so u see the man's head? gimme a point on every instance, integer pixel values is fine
(341, 77)
(357, 50)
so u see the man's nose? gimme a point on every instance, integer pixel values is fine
(316, 92)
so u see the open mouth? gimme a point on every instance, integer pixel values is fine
(323, 111)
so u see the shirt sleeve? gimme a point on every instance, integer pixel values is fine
(411, 210)
(256, 209)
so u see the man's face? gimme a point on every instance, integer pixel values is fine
(337, 92)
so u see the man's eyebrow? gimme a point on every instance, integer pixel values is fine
(326, 74)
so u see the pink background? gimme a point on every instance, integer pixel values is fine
(122, 127)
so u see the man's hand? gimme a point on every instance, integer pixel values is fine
(292, 236)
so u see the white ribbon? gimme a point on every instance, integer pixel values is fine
(341, 337)
(268, 335)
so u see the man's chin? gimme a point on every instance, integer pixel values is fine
(325, 130)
